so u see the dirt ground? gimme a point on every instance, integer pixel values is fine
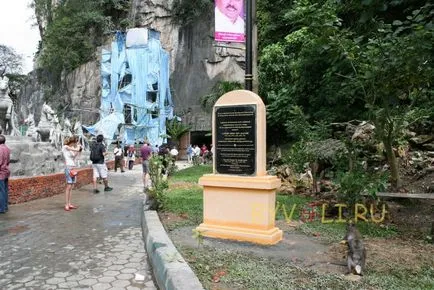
(309, 252)
(409, 251)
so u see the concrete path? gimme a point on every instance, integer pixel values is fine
(97, 246)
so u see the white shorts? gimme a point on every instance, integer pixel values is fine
(99, 170)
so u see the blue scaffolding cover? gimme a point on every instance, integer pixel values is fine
(135, 89)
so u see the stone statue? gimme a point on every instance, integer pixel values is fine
(6, 108)
(66, 128)
(31, 129)
(56, 138)
(46, 123)
(78, 131)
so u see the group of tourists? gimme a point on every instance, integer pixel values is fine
(199, 155)
(71, 151)
(124, 158)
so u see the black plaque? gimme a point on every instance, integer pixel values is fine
(235, 128)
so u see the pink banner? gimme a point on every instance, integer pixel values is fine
(229, 21)
(229, 37)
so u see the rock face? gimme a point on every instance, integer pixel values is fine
(196, 66)
(83, 92)
(31, 100)
(29, 158)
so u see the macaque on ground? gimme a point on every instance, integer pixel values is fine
(356, 255)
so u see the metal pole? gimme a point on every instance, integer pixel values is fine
(249, 46)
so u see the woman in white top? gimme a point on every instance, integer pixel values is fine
(70, 152)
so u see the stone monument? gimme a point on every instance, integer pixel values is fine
(239, 197)
(6, 109)
(45, 124)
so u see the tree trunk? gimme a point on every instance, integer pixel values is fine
(393, 163)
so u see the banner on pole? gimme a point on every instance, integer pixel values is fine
(229, 21)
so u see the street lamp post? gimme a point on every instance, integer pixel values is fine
(249, 45)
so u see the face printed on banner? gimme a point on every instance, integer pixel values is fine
(230, 8)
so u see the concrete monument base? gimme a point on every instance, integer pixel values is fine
(240, 208)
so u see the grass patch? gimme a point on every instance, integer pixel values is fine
(237, 270)
(334, 232)
(219, 268)
(186, 201)
(285, 203)
(191, 174)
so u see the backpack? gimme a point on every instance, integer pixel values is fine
(95, 153)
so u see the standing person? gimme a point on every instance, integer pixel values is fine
(70, 151)
(5, 156)
(189, 153)
(118, 158)
(131, 156)
(174, 154)
(203, 152)
(196, 155)
(99, 167)
(145, 154)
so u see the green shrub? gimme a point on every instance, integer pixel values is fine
(354, 185)
(159, 182)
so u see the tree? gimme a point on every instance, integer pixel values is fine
(393, 71)
(352, 60)
(176, 129)
(76, 30)
(222, 87)
(10, 61)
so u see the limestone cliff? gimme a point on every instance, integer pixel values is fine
(196, 65)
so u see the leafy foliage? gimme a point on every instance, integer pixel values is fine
(187, 12)
(220, 88)
(349, 60)
(16, 82)
(353, 184)
(10, 61)
(176, 129)
(159, 183)
(76, 30)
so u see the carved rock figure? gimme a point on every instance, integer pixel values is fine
(56, 138)
(6, 107)
(46, 124)
(31, 129)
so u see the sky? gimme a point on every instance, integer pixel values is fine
(17, 29)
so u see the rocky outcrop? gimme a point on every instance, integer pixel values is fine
(196, 64)
(83, 93)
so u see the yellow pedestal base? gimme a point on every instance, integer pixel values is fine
(269, 237)
(240, 208)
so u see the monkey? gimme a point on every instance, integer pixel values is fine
(356, 255)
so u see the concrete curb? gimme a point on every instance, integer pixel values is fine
(171, 271)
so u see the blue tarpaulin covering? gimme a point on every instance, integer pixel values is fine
(135, 89)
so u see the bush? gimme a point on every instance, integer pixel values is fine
(354, 185)
(159, 182)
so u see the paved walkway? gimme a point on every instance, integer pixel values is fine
(97, 246)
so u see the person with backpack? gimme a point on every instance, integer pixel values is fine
(97, 154)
